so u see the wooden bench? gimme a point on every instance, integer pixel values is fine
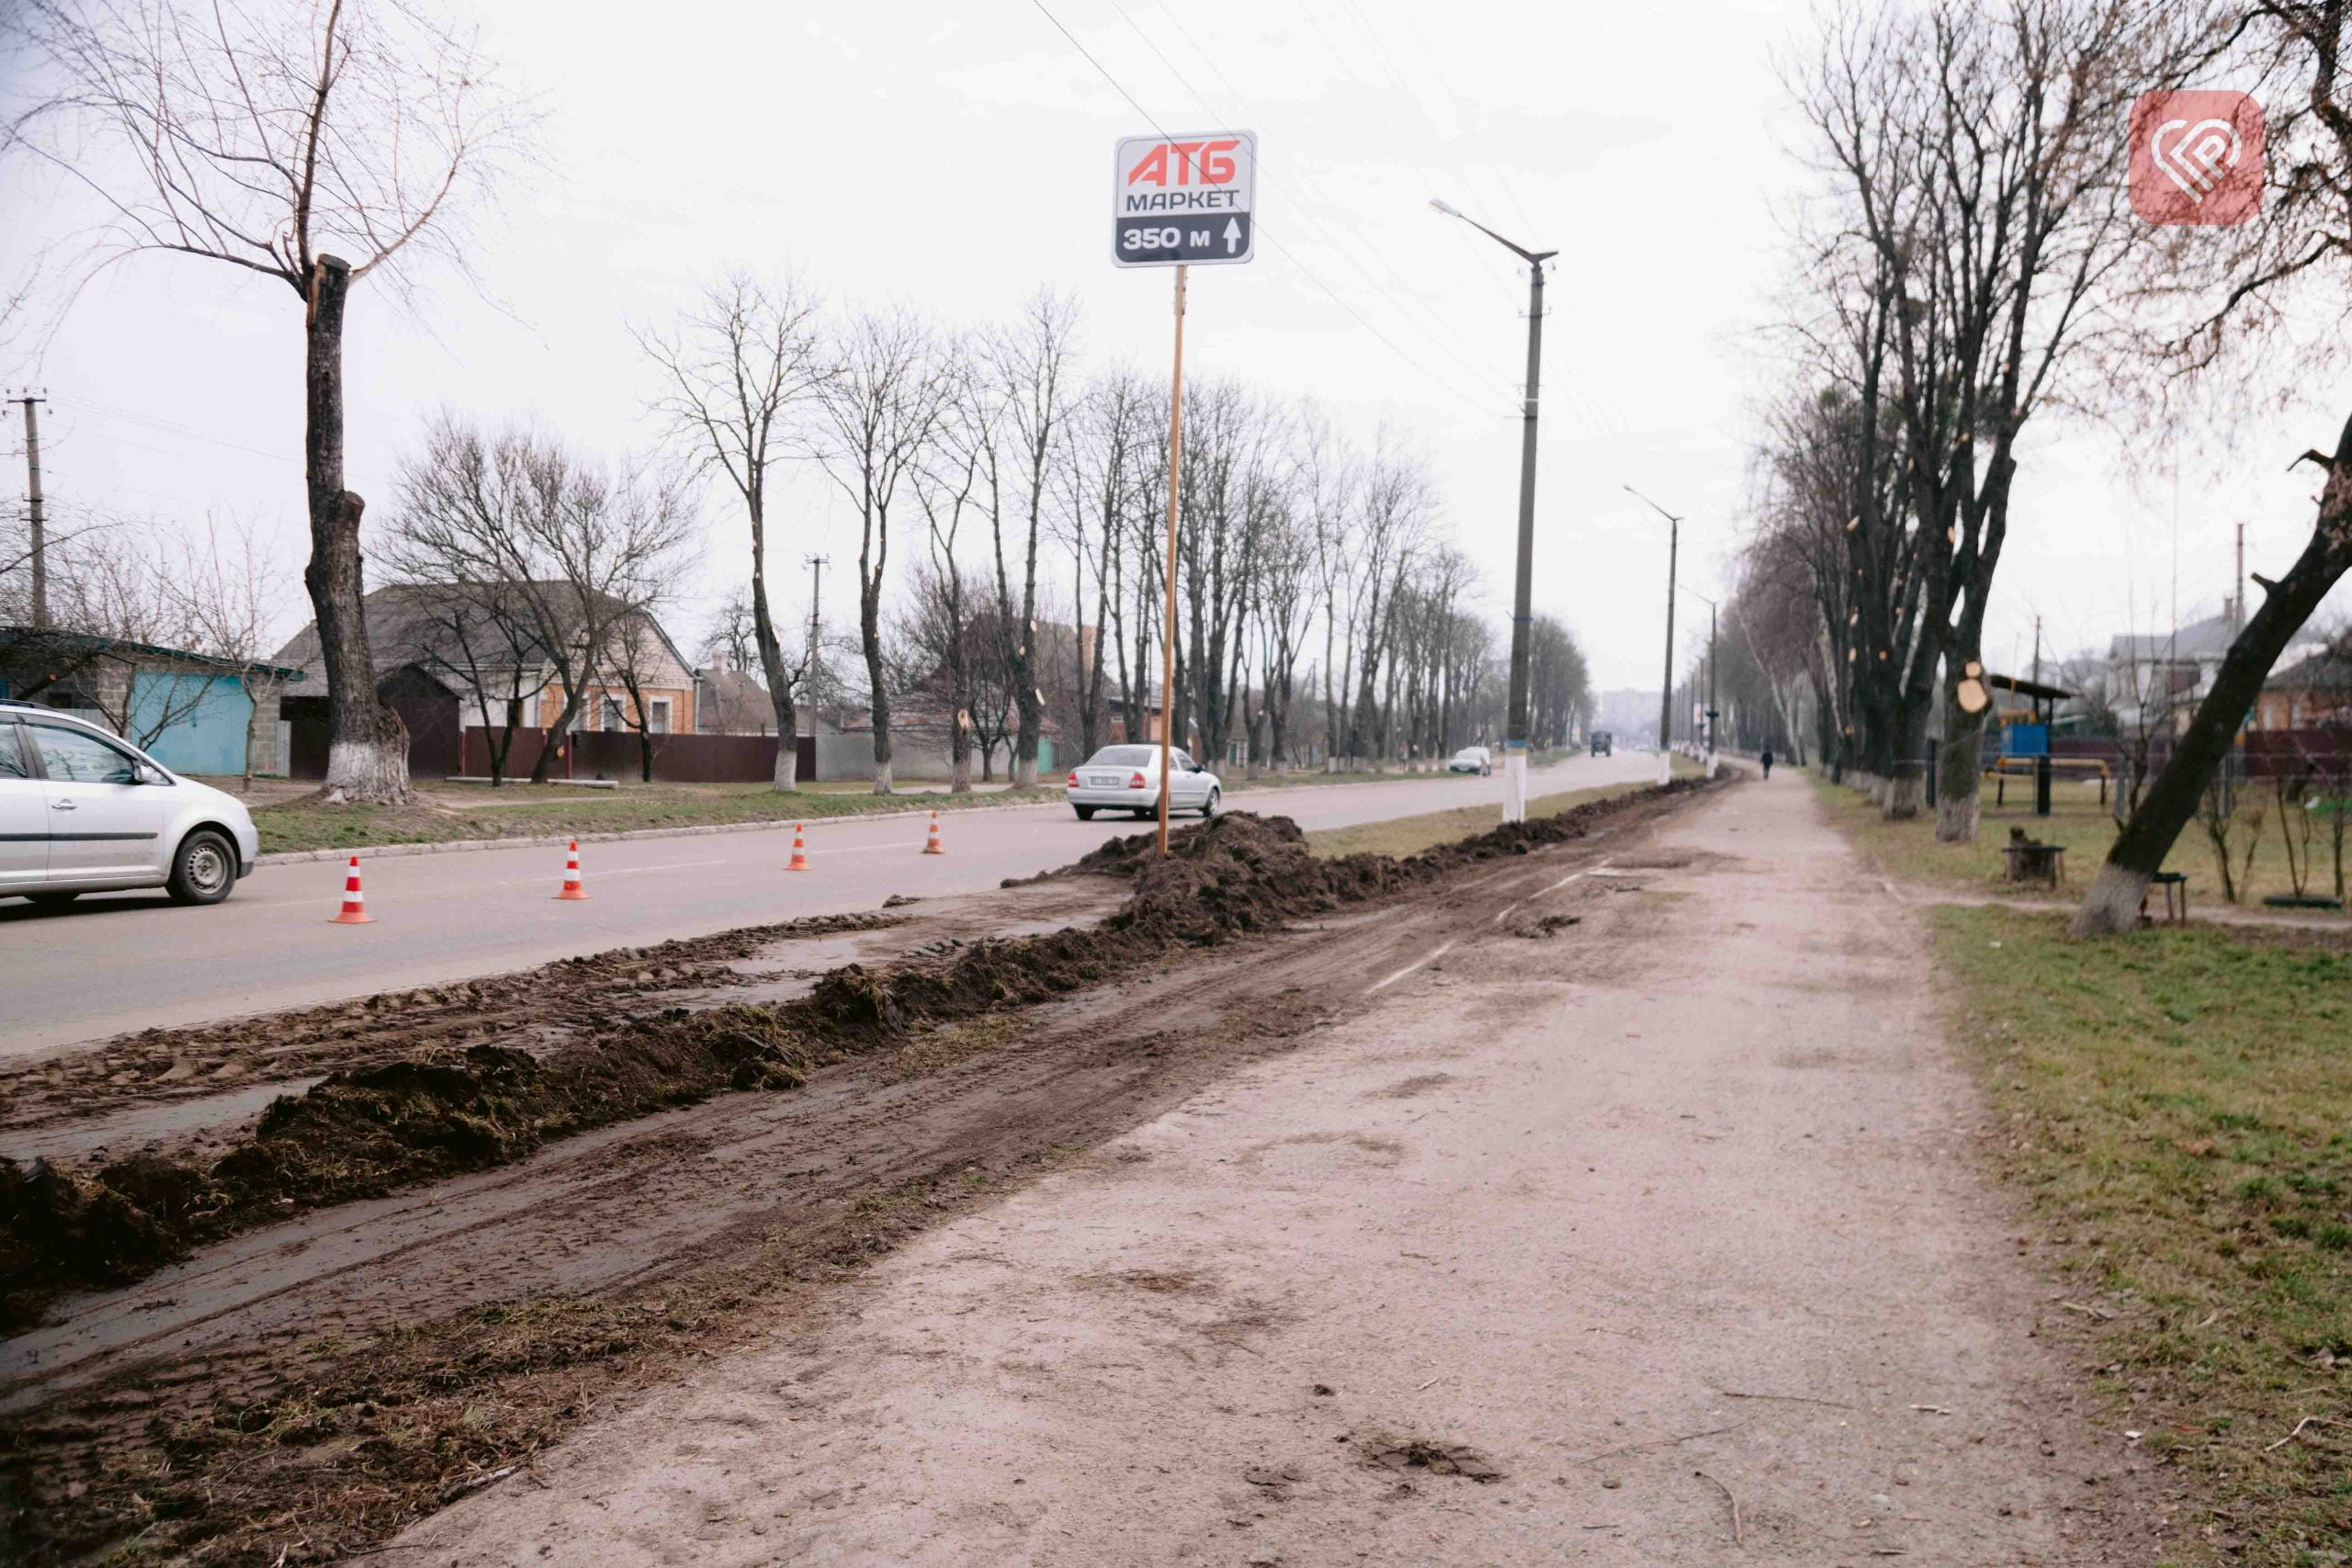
(2168, 881)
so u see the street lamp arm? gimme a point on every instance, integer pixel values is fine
(1653, 505)
(1533, 258)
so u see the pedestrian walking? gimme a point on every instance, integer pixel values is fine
(1768, 761)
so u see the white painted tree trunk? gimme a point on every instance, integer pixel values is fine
(366, 771)
(1956, 817)
(2112, 906)
(1905, 797)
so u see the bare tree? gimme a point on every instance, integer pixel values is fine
(1106, 456)
(947, 487)
(2233, 290)
(638, 653)
(287, 139)
(110, 606)
(1031, 365)
(733, 638)
(738, 368)
(481, 638)
(225, 585)
(883, 404)
(1977, 168)
(574, 554)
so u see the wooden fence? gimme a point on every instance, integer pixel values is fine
(606, 754)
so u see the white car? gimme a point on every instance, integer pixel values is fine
(83, 811)
(1126, 778)
(1472, 759)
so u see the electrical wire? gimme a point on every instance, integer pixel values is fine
(1438, 328)
(1312, 276)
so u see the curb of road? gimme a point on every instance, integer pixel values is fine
(547, 841)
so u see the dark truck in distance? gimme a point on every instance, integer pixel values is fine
(1604, 744)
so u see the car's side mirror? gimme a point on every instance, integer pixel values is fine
(147, 773)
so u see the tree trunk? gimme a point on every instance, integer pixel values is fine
(2112, 906)
(1958, 773)
(368, 745)
(787, 722)
(869, 627)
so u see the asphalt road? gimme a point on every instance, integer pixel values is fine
(114, 963)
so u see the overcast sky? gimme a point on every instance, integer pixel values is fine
(954, 156)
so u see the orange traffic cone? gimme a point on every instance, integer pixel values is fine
(932, 848)
(799, 853)
(355, 903)
(571, 889)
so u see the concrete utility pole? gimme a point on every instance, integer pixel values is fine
(1666, 692)
(817, 565)
(1521, 611)
(39, 529)
(2237, 603)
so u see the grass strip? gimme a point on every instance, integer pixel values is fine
(2179, 1103)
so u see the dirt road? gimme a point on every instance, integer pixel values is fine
(1656, 1238)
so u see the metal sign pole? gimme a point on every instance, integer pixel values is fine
(1168, 617)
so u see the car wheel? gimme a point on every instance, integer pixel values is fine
(52, 900)
(1085, 812)
(204, 870)
(1208, 807)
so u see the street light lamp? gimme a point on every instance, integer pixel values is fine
(1515, 723)
(1666, 692)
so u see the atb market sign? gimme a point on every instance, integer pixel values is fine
(1185, 200)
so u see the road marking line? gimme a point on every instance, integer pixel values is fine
(1409, 968)
(1604, 869)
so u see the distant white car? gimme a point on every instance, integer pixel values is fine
(83, 811)
(1472, 759)
(1126, 778)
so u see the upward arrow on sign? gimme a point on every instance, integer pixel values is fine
(1232, 235)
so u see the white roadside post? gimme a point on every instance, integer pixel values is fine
(1180, 201)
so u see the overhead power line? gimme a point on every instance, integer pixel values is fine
(1308, 272)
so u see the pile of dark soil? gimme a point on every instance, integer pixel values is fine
(155, 1065)
(369, 1131)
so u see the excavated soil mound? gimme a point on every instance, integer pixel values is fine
(365, 1131)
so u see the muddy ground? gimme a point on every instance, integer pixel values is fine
(296, 1391)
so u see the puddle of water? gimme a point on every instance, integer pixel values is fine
(125, 1130)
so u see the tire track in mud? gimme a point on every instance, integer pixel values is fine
(307, 1388)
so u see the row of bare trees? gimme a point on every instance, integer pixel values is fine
(1010, 510)
(1970, 260)
(320, 143)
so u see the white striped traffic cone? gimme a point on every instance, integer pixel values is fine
(355, 903)
(799, 854)
(933, 847)
(571, 889)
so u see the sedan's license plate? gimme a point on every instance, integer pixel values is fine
(1104, 781)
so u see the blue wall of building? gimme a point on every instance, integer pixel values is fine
(210, 715)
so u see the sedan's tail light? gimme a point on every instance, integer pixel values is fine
(1073, 780)
(1134, 781)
